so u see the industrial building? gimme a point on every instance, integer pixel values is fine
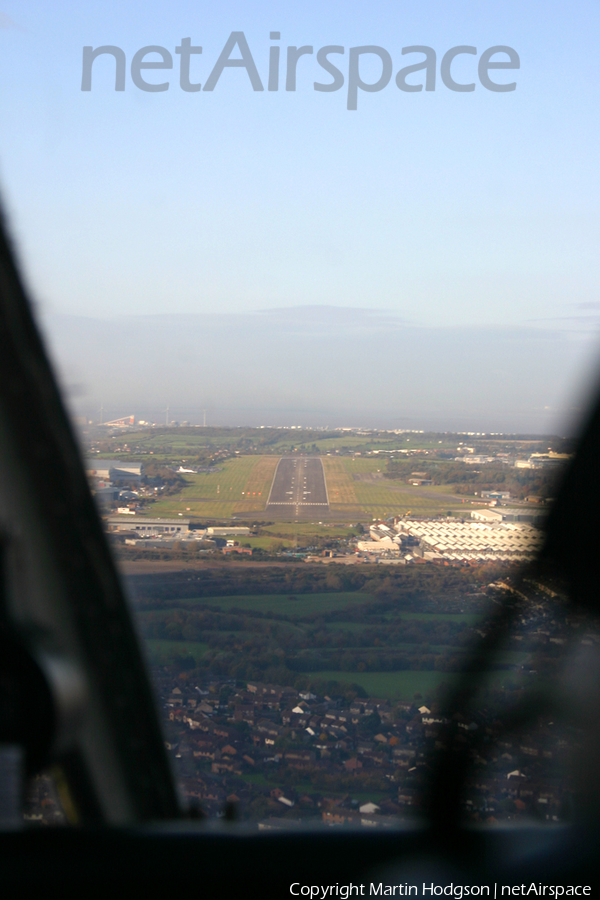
(378, 546)
(477, 541)
(145, 525)
(114, 470)
(215, 531)
(508, 514)
(486, 539)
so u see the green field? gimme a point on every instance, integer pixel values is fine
(303, 604)
(330, 601)
(384, 442)
(465, 618)
(301, 529)
(404, 685)
(159, 651)
(392, 685)
(401, 615)
(254, 621)
(510, 657)
(267, 542)
(241, 486)
(180, 443)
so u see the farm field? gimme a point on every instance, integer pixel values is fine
(285, 604)
(241, 486)
(465, 618)
(159, 651)
(504, 657)
(392, 685)
(302, 529)
(180, 443)
(267, 542)
(383, 442)
(404, 685)
(394, 640)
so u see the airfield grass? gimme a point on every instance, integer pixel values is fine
(242, 485)
(340, 488)
(373, 496)
(258, 484)
(362, 465)
(241, 488)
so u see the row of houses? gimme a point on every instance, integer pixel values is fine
(285, 731)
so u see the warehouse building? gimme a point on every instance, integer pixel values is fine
(487, 515)
(145, 525)
(218, 531)
(114, 470)
(506, 514)
(475, 542)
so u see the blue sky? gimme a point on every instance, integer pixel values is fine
(446, 209)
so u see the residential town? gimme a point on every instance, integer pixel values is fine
(276, 755)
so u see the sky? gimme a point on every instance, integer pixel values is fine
(461, 217)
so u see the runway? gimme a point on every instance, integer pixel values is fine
(299, 488)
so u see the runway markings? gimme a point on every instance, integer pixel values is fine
(289, 489)
(294, 503)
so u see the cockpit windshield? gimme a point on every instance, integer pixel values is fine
(319, 284)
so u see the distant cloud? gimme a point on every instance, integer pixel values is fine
(7, 22)
(328, 365)
(586, 310)
(317, 319)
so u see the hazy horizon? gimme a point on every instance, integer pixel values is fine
(318, 366)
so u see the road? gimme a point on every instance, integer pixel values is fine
(298, 488)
